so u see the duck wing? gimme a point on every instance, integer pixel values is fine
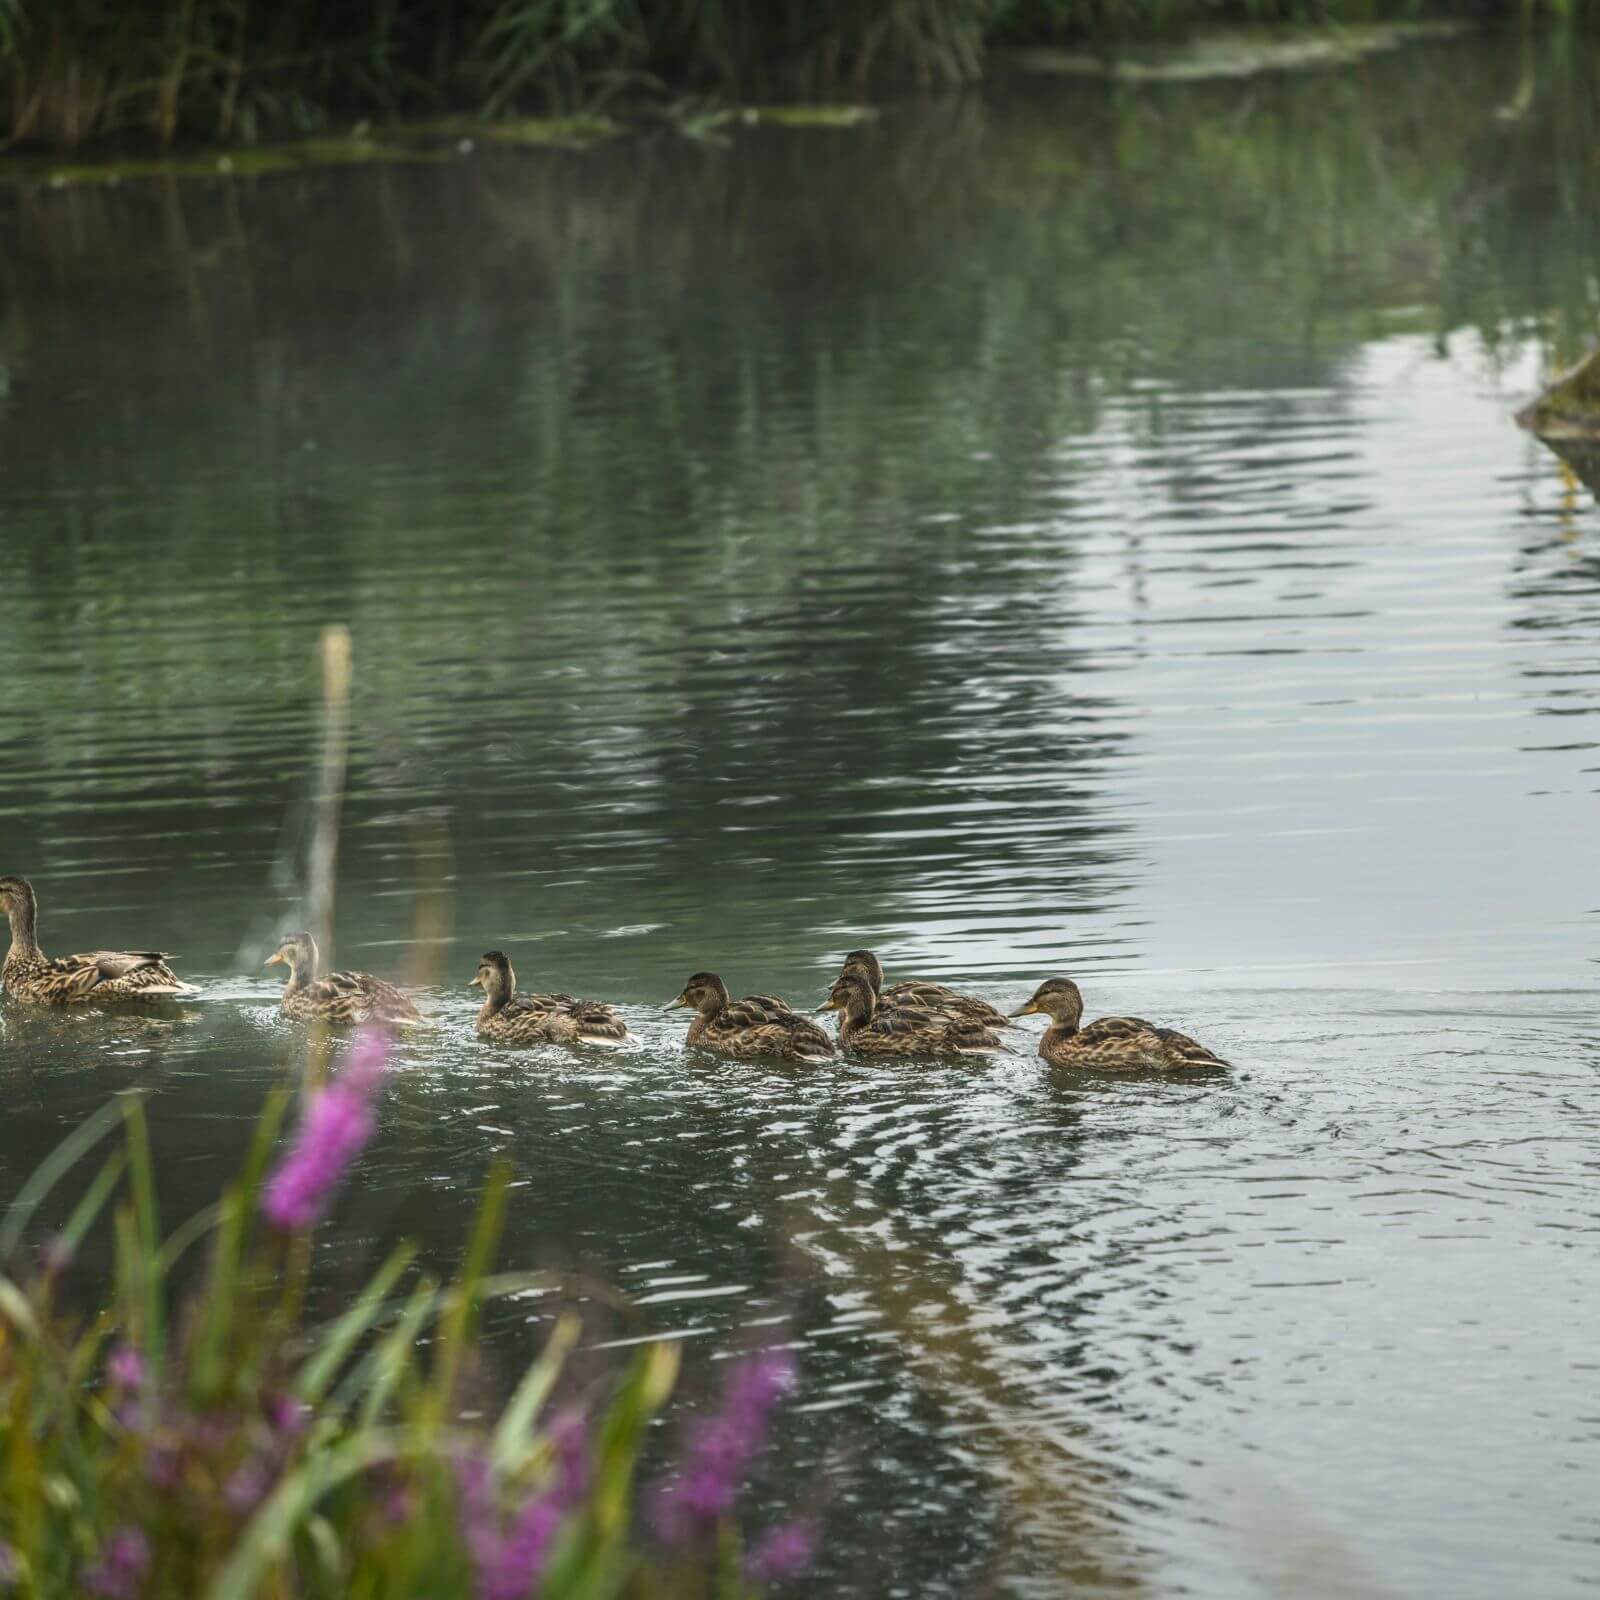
(565, 1017)
(940, 997)
(1182, 1051)
(129, 972)
(598, 1022)
(351, 997)
(754, 1029)
(922, 1030)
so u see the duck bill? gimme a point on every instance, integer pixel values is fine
(680, 1004)
(477, 982)
(276, 959)
(830, 1004)
(1029, 1010)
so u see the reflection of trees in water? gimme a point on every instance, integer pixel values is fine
(652, 477)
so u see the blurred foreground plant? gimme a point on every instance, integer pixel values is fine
(218, 1445)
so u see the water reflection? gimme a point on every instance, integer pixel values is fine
(1038, 535)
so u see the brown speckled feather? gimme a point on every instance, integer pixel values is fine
(736, 1031)
(534, 1018)
(916, 1031)
(1112, 1044)
(1125, 1044)
(91, 977)
(939, 997)
(871, 1026)
(759, 1025)
(921, 993)
(348, 998)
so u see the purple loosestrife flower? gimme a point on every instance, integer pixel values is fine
(722, 1447)
(125, 1369)
(335, 1128)
(480, 1519)
(124, 1564)
(247, 1487)
(783, 1552)
(508, 1564)
(287, 1416)
(163, 1467)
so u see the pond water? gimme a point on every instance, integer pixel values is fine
(1065, 530)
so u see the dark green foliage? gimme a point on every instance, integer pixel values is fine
(229, 70)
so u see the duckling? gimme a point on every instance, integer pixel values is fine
(1117, 1044)
(921, 993)
(532, 1018)
(340, 997)
(868, 1027)
(95, 976)
(759, 1025)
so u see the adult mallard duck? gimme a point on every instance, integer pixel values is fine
(92, 977)
(758, 1025)
(869, 1027)
(1117, 1044)
(340, 997)
(920, 993)
(533, 1018)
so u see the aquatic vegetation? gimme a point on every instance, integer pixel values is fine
(215, 1441)
(217, 70)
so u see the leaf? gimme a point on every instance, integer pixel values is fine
(392, 1355)
(88, 1208)
(145, 1256)
(320, 1369)
(236, 1213)
(49, 1172)
(200, 1224)
(458, 1323)
(16, 1310)
(267, 1538)
(510, 1447)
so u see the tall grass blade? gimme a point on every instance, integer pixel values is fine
(460, 1318)
(93, 1201)
(141, 1179)
(320, 1370)
(52, 1169)
(511, 1443)
(267, 1539)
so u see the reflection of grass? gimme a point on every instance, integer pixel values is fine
(709, 385)
(258, 161)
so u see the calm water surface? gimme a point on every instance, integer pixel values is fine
(1069, 532)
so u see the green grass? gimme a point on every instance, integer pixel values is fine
(235, 72)
(220, 1442)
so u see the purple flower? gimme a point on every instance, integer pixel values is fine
(55, 1255)
(520, 1554)
(475, 1500)
(509, 1563)
(162, 1467)
(337, 1124)
(124, 1564)
(721, 1448)
(783, 1552)
(10, 1566)
(125, 1369)
(247, 1487)
(287, 1416)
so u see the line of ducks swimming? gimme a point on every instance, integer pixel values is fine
(910, 1018)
